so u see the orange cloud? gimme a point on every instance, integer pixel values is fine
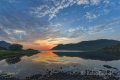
(38, 46)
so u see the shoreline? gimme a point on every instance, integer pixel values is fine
(9, 53)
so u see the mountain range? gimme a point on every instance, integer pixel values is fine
(4, 44)
(86, 45)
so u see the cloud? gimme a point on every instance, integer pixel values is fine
(16, 35)
(104, 27)
(53, 7)
(19, 23)
(95, 2)
(76, 32)
(90, 16)
(106, 1)
(56, 25)
(82, 2)
(16, 24)
(29, 20)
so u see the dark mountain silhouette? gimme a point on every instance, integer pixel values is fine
(4, 44)
(86, 45)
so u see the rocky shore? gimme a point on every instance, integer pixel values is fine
(69, 75)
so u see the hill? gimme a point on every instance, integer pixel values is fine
(113, 48)
(86, 45)
(4, 44)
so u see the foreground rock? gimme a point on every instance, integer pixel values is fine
(67, 75)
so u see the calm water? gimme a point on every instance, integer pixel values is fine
(23, 66)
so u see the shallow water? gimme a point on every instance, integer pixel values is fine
(23, 66)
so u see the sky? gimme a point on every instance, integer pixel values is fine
(43, 24)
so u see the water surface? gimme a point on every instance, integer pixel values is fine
(23, 66)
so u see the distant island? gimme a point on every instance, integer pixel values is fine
(7, 49)
(87, 45)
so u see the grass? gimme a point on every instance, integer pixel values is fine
(4, 53)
